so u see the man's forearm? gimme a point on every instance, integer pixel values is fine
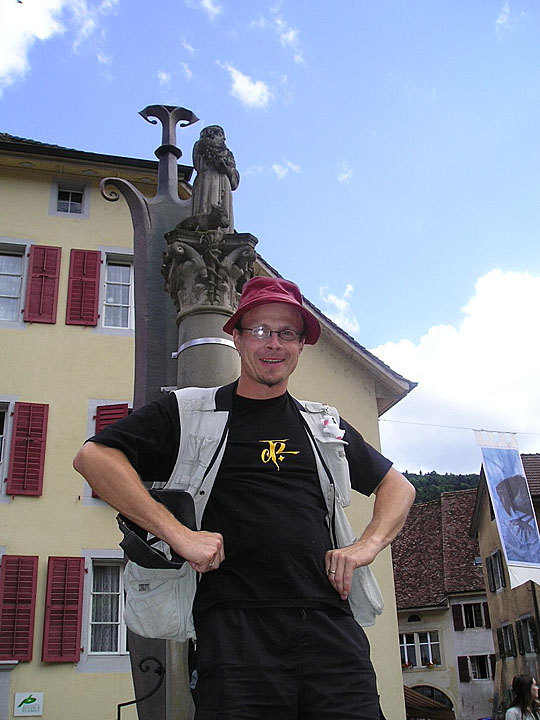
(113, 478)
(393, 500)
(394, 497)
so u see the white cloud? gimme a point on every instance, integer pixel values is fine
(253, 170)
(287, 35)
(188, 74)
(22, 25)
(338, 309)
(190, 49)
(506, 20)
(163, 77)
(482, 374)
(211, 8)
(283, 170)
(253, 93)
(345, 173)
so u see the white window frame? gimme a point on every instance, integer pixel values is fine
(430, 644)
(526, 634)
(12, 246)
(508, 640)
(498, 570)
(7, 406)
(469, 608)
(98, 662)
(127, 261)
(66, 184)
(433, 640)
(474, 661)
(408, 650)
(122, 629)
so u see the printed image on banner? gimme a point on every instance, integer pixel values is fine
(512, 505)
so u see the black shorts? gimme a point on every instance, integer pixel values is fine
(282, 664)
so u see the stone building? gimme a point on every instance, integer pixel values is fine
(444, 622)
(514, 612)
(66, 349)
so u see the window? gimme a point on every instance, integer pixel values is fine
(4, 408)
(506, 642)
(69, 201)
(107, 629)
(11, 277)
(42, 286)
(430, 650)
(527, 637)
(27, 452)
(17, 606)
(479, 667)
(423, 645)
(470, 616)
(476, 667)
(473, 615)
(407, 648)
(495, 571)
(63, 610)
(83, 287)
(118, 302)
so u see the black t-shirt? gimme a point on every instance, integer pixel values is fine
(266, 500)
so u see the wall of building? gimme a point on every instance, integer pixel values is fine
(475, 696)
(74, 368)
(505, 607)
(63, 366)
(442, 677)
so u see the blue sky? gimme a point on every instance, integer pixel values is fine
(389, 162)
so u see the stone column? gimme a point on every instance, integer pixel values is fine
(204, 272)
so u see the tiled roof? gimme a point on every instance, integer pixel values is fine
(6, 137)
(531, 465)
(434, 555)
(12, 143)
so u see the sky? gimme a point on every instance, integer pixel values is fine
(389, 157)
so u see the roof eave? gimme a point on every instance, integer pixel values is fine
(17, 147)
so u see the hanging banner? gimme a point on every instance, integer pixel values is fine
(512, 505)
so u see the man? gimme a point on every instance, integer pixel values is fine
(276, 637)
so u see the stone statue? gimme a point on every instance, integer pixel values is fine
(217, 175)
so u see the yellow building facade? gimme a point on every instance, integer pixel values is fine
(62, 640)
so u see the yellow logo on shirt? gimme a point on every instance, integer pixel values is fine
(276, 451)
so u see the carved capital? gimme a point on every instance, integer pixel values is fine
(206, 271)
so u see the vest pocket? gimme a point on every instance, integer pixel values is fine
(158, 602)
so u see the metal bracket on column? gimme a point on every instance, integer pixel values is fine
(203, 341)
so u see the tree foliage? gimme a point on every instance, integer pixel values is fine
(430, 485)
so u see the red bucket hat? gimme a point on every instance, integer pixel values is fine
(263, 290)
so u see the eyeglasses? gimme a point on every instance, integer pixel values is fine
(263, 333)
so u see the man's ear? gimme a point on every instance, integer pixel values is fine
(236, 339)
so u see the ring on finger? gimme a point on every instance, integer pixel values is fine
(331, 572)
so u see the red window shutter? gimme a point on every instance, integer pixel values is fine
(27, 454)
(17, 606)
(109, 414)
(42, 284)
(457, 617)
(63, 610)
(83, 287)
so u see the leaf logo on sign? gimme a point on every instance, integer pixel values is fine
(27, 701)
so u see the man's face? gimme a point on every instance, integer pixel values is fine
(267, 364)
